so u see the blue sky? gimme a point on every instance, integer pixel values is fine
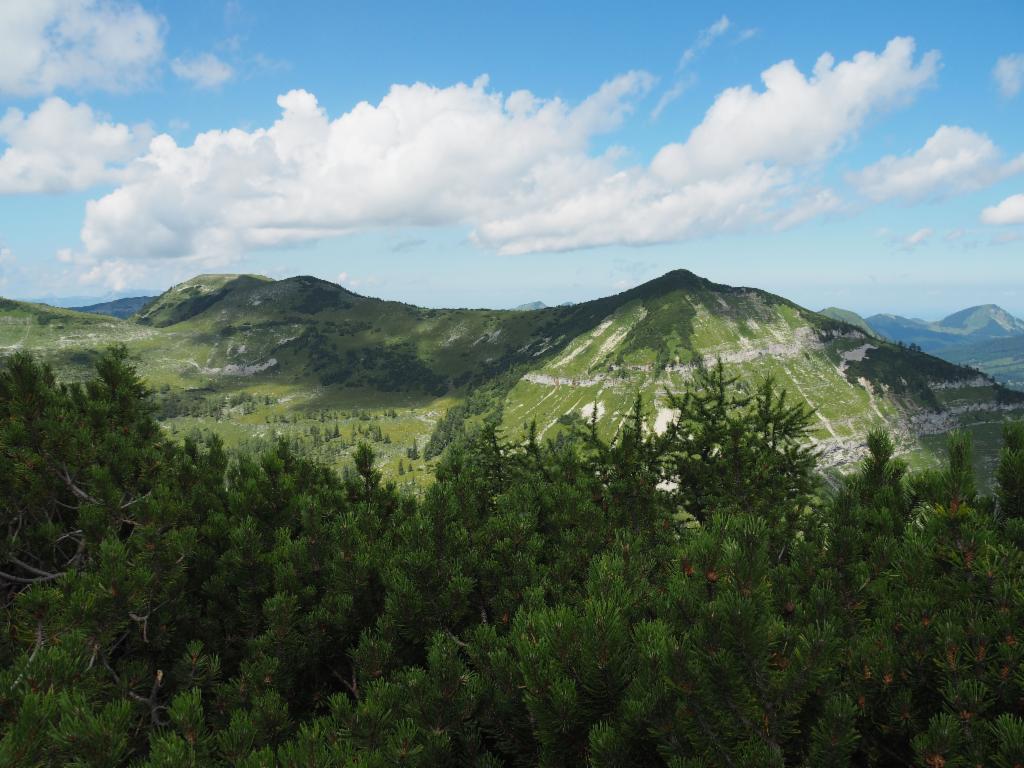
(485, 154)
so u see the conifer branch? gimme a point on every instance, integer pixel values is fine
(47, 575)
(29, 580)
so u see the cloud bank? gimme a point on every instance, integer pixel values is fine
(60, 148)
(952, 161)
(518, 171)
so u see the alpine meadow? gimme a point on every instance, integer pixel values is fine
(443, 385)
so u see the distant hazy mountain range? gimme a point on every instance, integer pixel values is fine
(539, 305)
(122, 308)
(986, 337)
(74, 302)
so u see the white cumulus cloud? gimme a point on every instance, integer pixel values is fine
(203, 71)
(50, 44)
(422, 156)
(61, 147)
(1009, 74)
(1009, 211)
(952, 160)
(114, 274)
(796, 120)
(518, 171)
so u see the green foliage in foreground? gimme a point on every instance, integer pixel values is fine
(690, 599)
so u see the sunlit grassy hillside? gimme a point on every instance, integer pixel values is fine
(252, 358)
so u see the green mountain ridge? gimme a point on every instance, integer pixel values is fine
(986, 337)
(848, 316)
(188, 299)
(251, 358)
(984, 319)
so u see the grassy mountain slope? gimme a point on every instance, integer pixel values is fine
(1002, 359)
(848, 316)
(308, 330)
(194, 296)
(984, 320)
(65, 337)
(249, 357)
(656, 334)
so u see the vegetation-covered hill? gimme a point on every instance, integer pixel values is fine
(985, 337)
(249, 358)
(1003, 359)
(122, 308)
(987, 319)
(849, 316)
(651, 339)
(193, 297)
(690, 598)
(969, 326)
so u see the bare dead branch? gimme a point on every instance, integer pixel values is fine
(10, 577)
